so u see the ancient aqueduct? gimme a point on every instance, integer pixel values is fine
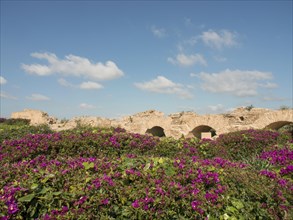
(175, 125)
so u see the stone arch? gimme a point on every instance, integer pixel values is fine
(197, 131)
(277, 125)
(156, 131)
(275, 118)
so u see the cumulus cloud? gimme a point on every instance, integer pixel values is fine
(236, 82)
(268, 85)
(65, 83)
(2, 80)
(187, 60)
(90, 85)
(86, 106)
(37, 97)
(73, 66)
(216, 108)
(158, 32)
(83, 85)
(5, 95)
(220, 59)
(220, 39)
(163, 85)
(270, 98)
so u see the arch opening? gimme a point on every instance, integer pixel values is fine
(278, 125)
(202, 131)
(156, 131)
(281, 126)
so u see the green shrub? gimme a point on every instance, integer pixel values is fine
(96, 173)
(15, 121)
(245, 144)
(10, 132)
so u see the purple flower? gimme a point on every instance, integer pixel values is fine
(64, 210)
(131, 155)
(12, 208)
(268, 174)
(287, 170)
(109, 180)
(55, 212)
(220, 189)
(97, 183)
(282, 182)
(195, 191)
(159, 190)
(211, 197)
(130, 171)
(81, 200)
(64, 172)
(195, 204)
(47, 217)
(105, 201)
(135, 204)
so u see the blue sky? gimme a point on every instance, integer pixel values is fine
(115, 58)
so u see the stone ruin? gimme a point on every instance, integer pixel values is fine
(175, 125)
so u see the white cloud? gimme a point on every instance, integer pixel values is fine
(73, 66)
(269, 85)
(273, 98)
(65, 83)
(220, 59)
(236, 82)
(86, 106)
(217, 108)
(165, 86)
(37, 97)
(218, 40)
(90, 85)
(158, 32)
(83, 85)
(2, 80)
(188, 60)
(7, 96)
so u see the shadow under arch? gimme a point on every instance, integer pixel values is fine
(197, 131)
(156, 131)
(277, 125)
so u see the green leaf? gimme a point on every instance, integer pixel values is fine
(27, 198)
(88, 165)
(212, 168)
(88, 179)
(34, 186)
(231, 210)
(51, 175)
(237, 204)
(169, 170)
(161, 160)
(126, 212)
(44, 190)
(45, 180)
(147, 166)
(56, 193)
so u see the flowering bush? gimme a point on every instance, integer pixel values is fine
(111, 174)
(10, 132)
(246, 144)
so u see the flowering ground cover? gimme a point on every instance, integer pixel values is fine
(95, 173)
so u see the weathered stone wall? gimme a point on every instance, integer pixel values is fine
(36, 117)
(186, 123)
